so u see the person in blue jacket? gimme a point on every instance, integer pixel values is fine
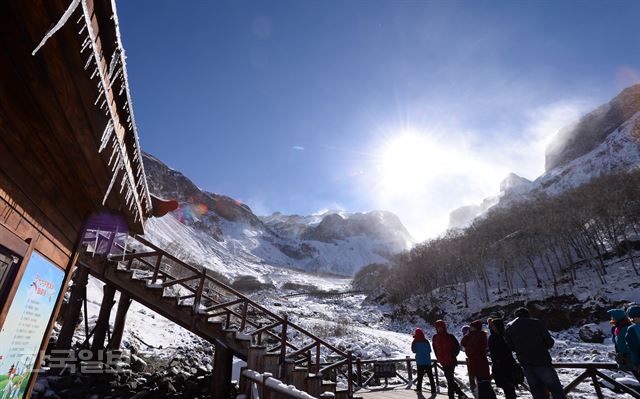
(632, 338)
(421, 347)
(620, 323)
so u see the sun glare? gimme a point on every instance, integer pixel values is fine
(408, 161)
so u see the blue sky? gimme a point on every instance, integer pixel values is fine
(416, 107)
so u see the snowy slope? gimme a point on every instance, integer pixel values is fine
(225, 234)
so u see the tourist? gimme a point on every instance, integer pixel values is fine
(531, 341)
(619, 325)
(503, 366)
(446, 348)
(421, 347)
(476, 346)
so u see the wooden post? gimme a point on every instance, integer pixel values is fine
(222, 368)
(349, 373)
(318, 358)
(72, 315)
(198, 295)
(283, 339)
(359, 372)
(100, 330)
(156, 269)
(596, 384)
(409, 372)
(121, 318)
(243, 321)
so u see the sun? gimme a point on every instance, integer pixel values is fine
(408, 161)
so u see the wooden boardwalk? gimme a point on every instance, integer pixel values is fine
(397, 393)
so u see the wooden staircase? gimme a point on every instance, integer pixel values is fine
(195, 300)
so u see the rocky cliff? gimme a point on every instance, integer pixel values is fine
(590, 131)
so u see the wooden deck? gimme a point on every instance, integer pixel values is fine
(398, 393)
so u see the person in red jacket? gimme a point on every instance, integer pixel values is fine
(446, 348)
(476, 346)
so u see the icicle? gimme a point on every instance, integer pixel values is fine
(82, 29)
(56, 27)
(122, 182)
(80, 19)
(104, 140)
(88, 63)
(121, 89)
(116, 165)
(114, 61)
(104, 103)
(95, 71)
(85, 45)
(113, 180)
(100, 93)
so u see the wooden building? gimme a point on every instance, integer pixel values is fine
(68, 151)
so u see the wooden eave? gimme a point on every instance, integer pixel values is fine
(59, 158)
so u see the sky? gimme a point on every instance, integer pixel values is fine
(415, 107)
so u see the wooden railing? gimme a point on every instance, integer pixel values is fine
(213, 300)
(364, 374)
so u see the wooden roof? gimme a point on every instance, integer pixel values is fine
(68, 142)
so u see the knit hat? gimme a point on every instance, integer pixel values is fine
(616, 314)
(464, 330)
(633, 311)
(441, 324)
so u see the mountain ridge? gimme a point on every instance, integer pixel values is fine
(333, 242)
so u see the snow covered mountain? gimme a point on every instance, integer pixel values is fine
(227, 236)
(605, 141)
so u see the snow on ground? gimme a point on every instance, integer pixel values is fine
(351, 323)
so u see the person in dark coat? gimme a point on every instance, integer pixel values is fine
(632, 338)
(446, 348)
(531, 341)
(475, 346)
(503, 364)
(421, 347)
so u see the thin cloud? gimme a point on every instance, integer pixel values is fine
(297, 148)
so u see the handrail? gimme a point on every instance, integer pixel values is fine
(264, 385)
(219, 300)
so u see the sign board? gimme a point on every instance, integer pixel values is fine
(26, 324)
(384, 370)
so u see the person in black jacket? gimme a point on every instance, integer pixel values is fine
(503, 365)
(531, 341)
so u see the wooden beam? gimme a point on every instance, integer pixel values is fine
(102, 324)
(121, 317)
(222, 368)
(72, 315)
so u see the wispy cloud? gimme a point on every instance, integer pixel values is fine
(297, 148)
